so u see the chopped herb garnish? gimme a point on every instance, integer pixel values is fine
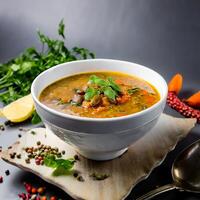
(99, 177)
(99, 86)
(36, 118)
(113, 85)
(61, 166)
(110, 93)
(33, 132)
(133, 90)
(90, 93)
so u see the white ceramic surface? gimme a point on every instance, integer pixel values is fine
(94, 138)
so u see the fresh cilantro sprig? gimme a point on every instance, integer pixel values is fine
(60, 166)
(107, 87)
(18, 73)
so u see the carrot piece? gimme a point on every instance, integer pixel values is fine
(123, 99)
(194, 100)
(118, 81)
(175, 83)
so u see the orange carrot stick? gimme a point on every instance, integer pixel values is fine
(194, 100)
(175, 83)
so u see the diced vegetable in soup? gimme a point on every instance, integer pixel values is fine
(100, 95)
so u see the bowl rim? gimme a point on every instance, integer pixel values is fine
(90, 119)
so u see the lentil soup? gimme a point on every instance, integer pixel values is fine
(100, 95)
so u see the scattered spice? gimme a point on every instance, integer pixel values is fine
(75, 174)
(1, 179)
(99, 177)
(50, 157)
(18, 156)
(53, 198)
(80, 178)
(32, 193)
(33, 190)
(12, 155)
(7, 172)
(2, 128)
(41, 190)
(9, 123)
(76, 157)
(27, 160)
(19, 135)
(10, 147)
(24, 129)
(33, 132)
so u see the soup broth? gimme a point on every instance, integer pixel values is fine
(100, 95)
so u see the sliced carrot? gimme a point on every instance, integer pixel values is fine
(175, 83)
(194, 100)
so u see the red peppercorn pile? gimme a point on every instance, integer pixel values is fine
(187, 111)
(33, 193)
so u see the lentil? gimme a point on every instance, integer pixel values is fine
(27, 160)
(80, 178)
(76, 157)
(19, 156)
(12, 156)
(75, 174)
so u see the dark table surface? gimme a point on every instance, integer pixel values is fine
(163, 35)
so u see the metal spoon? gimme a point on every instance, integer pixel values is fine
(185, 173)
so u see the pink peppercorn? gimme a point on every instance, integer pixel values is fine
(28, 187)
(1, 179)
(37, 162)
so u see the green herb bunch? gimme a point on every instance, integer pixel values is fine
(16, 75)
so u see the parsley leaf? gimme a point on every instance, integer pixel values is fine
(90, 93)
(35, 118)
(61, 28)
(61, 166)
(113, 84)
(133, 90)
(98, 81)
(110, 93)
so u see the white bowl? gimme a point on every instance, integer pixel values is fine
(99, 138)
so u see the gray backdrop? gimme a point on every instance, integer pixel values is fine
(163, 35)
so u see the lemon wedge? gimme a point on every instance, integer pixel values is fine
(19, 110)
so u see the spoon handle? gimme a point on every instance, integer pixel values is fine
(157, 191)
